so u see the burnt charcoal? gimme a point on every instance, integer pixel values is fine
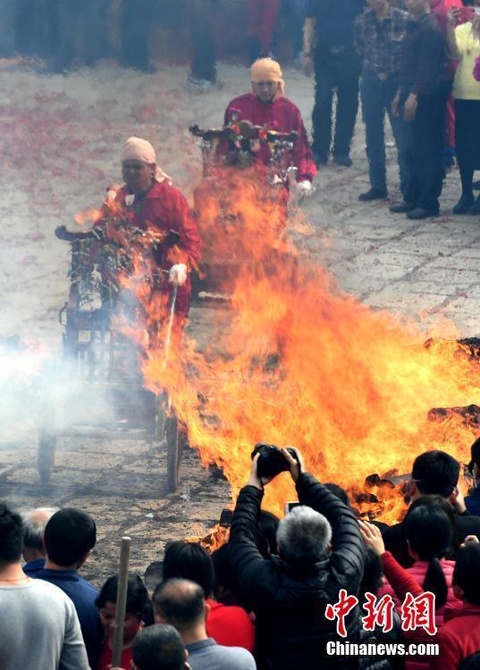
(469, 414)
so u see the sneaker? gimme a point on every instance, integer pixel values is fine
(421, 213)
(464, 205)
(402, 207)
(373, 194)
(343, 159)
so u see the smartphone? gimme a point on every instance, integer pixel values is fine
(290, 505)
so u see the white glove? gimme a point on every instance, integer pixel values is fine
(178, 274)
(304, 187)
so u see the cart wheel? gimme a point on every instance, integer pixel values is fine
(46, 455)
(173, 456)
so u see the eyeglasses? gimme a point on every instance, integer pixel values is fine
(137, 167)
(265, 84)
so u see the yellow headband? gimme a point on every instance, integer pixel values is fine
(267, 69)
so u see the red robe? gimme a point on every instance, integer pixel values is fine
(281, 115)
(161, 209)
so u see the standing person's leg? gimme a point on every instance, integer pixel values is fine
(373, 112)
(322, 108)
(254, 18)
(203, 65)
(465, 164)
(270, 11)
(347, 75)
(68, 30)
(401, 130)
(298, 12)
(429, 141)
(135, 21)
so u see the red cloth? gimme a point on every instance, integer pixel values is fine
(262, 20)
(459, 637)
(164, 208)
(281, 115)
(105, 660)
(230, 626)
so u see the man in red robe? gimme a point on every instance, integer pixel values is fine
(267, 106)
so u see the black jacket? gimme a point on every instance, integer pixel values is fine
(289, 603)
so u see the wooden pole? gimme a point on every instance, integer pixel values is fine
(117, 644)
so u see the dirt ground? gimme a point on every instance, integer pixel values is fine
(61, 140)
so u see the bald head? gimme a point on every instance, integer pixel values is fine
(180, 603)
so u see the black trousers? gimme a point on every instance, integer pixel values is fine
(335, 73)
(426, 141)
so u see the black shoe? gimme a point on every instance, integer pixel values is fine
(373, 194)
(475, 208)
(464, 205)
(421, 213)
(402, 207)
(320, 159)
(343, 159)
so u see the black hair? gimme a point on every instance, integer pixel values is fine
(180, 601)
(69, 535)
(137, 594)
(471, 662)
(221, 564)
(474, 455)
(11, 535)
(372, 573)
(466, 571)
(436, 472)
(189, 560)
(429, 532)
(339, 492)
(158, 647)
(267, 533)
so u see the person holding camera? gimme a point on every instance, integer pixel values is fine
(320, 552)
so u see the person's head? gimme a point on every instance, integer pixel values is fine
(11, 536)
(466, 585)
(339, 492)
(435, 472)
(471, 662)
(159, 647)
(139, 164)
(267, 79)
(181, 603)
(137, 600)
(189, 560)
(34, 523)
(69, 537)
(428, 531)
(224, 584)
(267, 533)
(303, 536)
(474, 465)
(417, 8)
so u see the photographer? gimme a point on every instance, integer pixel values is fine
(320, 552)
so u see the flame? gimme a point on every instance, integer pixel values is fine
(294, 361)
(87, 217)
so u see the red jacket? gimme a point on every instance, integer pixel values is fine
(459, 637)
(230, 626)
(281, 115)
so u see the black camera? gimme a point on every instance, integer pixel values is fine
(271, 460)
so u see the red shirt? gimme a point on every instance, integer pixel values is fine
(230, 626)
(281, 115)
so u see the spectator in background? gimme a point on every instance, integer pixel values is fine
(472, 501)
(295, 13)
(159, 647)
(135, 34)
(181, 603)
(34, 523)
(434, 473)
(262, 18)
(135, 611)
(203, 70)
(460, 634)
(328, 50)
(229, 625)
(379, 33)
(38, 624)
(70, 535)
(421, 99)
(464, 43)
(320, 551)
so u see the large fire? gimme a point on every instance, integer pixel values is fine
(294, 361)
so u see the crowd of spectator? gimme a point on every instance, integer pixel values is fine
(276, 596)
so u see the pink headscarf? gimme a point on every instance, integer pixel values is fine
(140, 150)
(267, 69)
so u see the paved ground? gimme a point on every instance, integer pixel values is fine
(426, 271)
